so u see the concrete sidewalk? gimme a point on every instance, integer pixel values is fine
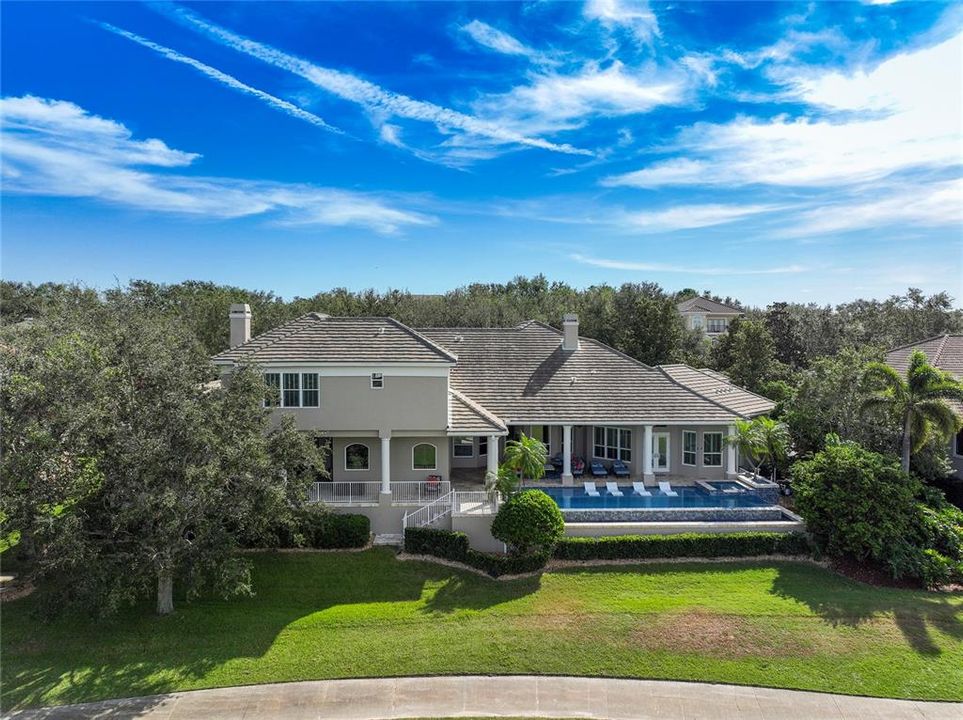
(484, 696)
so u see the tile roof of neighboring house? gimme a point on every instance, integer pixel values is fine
(467, 416)
(701, 304)
(522, 375)
(943, 351)
(320, 338)
(718, 387)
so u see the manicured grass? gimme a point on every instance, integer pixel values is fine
(325, 615)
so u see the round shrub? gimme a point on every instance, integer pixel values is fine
(529, 522)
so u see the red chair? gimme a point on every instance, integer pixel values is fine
(433, 483)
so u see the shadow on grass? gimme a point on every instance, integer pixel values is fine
(841, 601)
(75, 659)
(470, 592)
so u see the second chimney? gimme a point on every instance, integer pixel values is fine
(240, 323)
(570, 332)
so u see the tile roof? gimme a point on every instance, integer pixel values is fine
(467, 416)
(320, 338)
(701, 304)
(718, 387)
(522, 375)
(943, 351)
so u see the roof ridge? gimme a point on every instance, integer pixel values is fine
(295, 329)
(942, 336)
(939, 351)
(424, 340)
(480, 409)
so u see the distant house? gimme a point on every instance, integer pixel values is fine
(946, 353)
(711, 317)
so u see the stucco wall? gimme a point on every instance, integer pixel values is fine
(401, 458)
(350, 404)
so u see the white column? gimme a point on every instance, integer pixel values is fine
(567, 454)
(647, 453)
(731, 453)
(386, 462)
(493, 454)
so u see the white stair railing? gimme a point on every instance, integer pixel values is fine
(435, 510)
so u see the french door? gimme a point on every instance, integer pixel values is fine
(660, 452)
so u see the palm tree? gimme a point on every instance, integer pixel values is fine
(747, 442)
(917, 399)
(527, 456)
(773, 441)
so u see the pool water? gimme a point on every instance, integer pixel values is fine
(572, 498)
(726, 485)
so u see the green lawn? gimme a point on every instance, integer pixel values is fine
(325, 615)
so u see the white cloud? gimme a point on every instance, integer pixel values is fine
(224, 79)
(498, 40)
(936, 204)
(616, 264)
(553, 102)
(376, 100)
(903, 114)
(635, 15)
(687, 217)
(55, 148)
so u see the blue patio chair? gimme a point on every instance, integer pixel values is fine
(620, 468)
(598, 469)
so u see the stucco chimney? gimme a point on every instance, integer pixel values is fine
(570, 332)
(240, 323)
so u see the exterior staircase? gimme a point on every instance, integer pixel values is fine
(393, 540)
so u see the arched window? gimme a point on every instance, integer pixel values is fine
(356, 457)
(423, 457)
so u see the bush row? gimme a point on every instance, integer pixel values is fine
(640, 547)
(315, 527)
(454, 546)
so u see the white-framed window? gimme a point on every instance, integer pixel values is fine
(612, 443)
(291, 395)
(698, 321)
(310, 390)
(712, 449)
(482, 445)
(463, 447)
(377, 381)
(689, 447)
(273, 381)
(717, 325)
(424, 457)
(356, 457)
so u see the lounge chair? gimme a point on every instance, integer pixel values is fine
(667, 489)
(598, 469)
(591, 490)
(613, 489)
(578, 467)
(620, 469)
(639, 489)
(556, 460)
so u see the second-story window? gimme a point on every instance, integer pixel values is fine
(717, 326)
(273, 381)
(310, 392)
(377, 381)
(292, 390)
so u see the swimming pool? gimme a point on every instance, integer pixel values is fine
(572, 498)
(692, 504)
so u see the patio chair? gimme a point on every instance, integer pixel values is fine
(433, 483)
(613, 489)
(598, 469)
(620, 469)
(578, 466)
(556, 460)
(667, 489)
(639, 489)
(590, 489)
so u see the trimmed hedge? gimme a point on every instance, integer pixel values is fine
(694, 545)
(450, 545)
(331, 531)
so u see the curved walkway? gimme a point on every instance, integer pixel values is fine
(507, 696)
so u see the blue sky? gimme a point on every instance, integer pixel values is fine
(768, 151)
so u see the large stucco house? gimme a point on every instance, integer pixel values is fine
(711, 317)
(946, 353)
(400, 406)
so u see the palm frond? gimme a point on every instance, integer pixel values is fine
(940, 415)
(880, 376)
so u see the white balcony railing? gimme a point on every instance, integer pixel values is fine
(435, 510)
(418, 492)
(473, 502)
(344, 493)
